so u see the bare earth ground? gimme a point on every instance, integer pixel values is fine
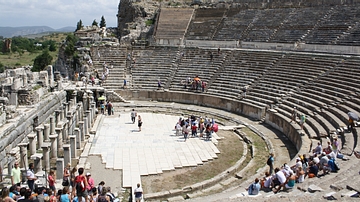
(231, 149)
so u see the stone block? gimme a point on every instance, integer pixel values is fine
(313, 188)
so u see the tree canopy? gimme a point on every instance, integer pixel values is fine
(94, 23)
(79, 25)
(41, 61)
(102, 22)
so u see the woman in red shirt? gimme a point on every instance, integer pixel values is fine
(51, 179)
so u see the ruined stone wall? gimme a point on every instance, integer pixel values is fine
(16, 131)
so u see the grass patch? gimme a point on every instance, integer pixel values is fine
(231, 149)
(26, 58)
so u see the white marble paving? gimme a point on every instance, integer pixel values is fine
(151, 151)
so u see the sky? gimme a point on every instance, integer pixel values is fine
(57, 13)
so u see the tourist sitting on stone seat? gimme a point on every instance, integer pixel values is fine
(279, 180)
(297, 165)
(300, 175)
(318, 148)
(266, 182)
(328, 149)
(290, 182)
(313, 170)
(254, 188)
(323, 164)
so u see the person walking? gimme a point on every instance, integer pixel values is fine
(133, 115)
(31, 177)
(139, 122)
(138, 192)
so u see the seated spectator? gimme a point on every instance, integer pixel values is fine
(254, 188)
(297, 165)
(300, 175)
(318, 148)
(328, 149)
(279, 180)
(323, 164)
(331, 164)
(290, 182)
(266, 182)
(312, 170)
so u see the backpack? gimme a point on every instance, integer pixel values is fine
(269, 161)
(80, 185)
(111, 196)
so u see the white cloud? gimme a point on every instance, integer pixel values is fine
(56, 13)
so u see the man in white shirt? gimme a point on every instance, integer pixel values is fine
(280, 178)
(138, 192)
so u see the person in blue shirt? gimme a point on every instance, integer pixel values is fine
(254, 188)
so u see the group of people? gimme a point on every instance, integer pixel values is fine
(192, 125)
(133, 116)
(77, 186)
(106, 108)
(284, 177)
(195, 83)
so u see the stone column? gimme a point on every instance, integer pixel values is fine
(67, 154)
(65, 109)
(61, 113)
(82, 132)
(52, 125)
(46, 156)
(37, 162)
(59, 140)
(46, 132)
(65, 132)
(70, 123)
(78, 138)
(86, 126)
(74, 96)
(13, 98)
(59, 168)
(89, 118)
(81, 111)
(53, 146)
(93, 107)
(23, 155)
(73, 146)
(70, 104)
(85, 102)
(57, 117)
(40, 136)
(32, 143)
(10, 164)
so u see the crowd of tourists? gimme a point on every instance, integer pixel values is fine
(195, 127)
(195, 84)
(322, 161)
(76, 186)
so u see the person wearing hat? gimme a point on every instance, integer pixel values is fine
(91, 183)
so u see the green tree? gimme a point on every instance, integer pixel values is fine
(41, 61)
(52, 47)
(102, 22)
(79, 25)
(95, 23)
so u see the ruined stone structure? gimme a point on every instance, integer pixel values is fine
(7, 46)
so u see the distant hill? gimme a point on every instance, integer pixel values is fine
(9, 32)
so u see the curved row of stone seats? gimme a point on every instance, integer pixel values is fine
(152, 64)
(170, 16)
(290, 73)
(350, 38)
(241, 68)
(205, 23)
(333, 26)
(264, 24)
(115, 59)
(197, 62)
(298, 23)
(235, 24)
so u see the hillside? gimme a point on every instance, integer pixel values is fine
(9, 32)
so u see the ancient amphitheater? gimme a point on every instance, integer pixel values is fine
(304, 54)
